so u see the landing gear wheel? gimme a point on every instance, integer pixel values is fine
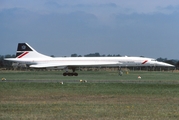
(70, 74)
(65, 74)
(75, 74)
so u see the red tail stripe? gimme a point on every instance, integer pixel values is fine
(23, 54)
(144, 61)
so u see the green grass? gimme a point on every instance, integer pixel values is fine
(89, 101)
(89, 75)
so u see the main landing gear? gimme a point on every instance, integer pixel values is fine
(70, 73)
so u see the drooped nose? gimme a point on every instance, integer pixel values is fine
(164, 64)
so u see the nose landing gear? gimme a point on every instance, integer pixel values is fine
(120, 71)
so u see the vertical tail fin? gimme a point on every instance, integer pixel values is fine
(24, 50)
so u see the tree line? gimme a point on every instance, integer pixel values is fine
(95, 55)
(4, 63)
(8, 64)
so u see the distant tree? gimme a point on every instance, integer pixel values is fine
(97, 55)
(109, 55)
(118, 55)
(1, 64)
(1, 60)
(7, 64)
(162, 59)
(74, 55)
(92, 55)
(172, 62)
(9, 56)
(177, 65)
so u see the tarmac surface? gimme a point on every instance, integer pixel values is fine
(96, 81)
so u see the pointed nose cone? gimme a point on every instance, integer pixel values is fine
(164, 64)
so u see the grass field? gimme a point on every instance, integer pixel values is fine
(89, 101)
(90, 75)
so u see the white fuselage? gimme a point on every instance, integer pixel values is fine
(27, 55)
(89, 61)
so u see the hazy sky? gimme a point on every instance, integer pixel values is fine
(63, 27)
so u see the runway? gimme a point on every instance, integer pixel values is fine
(96, 81)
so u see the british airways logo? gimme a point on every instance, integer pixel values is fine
(23, 47)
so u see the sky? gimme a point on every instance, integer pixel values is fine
(65, 27)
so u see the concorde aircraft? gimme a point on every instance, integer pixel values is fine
(27, 55)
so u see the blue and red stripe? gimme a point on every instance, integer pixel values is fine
(23, 54)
